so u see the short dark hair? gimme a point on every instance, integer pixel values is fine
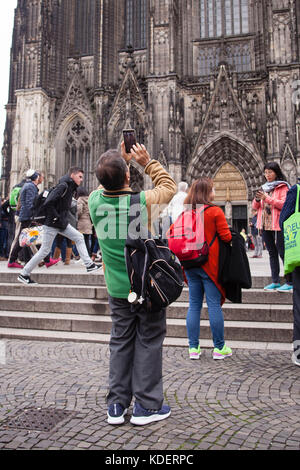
(74, 170)
(276, 168)
(111, 170)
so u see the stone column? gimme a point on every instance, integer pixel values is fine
(31, 141)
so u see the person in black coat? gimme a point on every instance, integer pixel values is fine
(59, 201)
(27, 197)
(234, 269)
(288, 209)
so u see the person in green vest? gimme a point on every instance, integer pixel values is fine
(136, 338)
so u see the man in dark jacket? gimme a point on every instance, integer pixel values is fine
(27, 197)
(288, 209)
(57, 206)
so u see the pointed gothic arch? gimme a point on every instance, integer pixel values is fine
(128, 110)
(227, 148)
(288, 164)
(74, 147)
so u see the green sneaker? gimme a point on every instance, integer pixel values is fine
(222, 353)
(195, 353)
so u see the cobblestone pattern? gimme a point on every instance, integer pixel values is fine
(249, 401)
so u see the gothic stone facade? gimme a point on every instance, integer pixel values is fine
(211, 87)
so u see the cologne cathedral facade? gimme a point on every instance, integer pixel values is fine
(212, 87)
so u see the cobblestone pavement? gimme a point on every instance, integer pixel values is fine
(248, 401)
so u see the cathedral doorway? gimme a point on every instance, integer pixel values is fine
(232, 195)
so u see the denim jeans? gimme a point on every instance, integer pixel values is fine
(49, 234)
(199, 283)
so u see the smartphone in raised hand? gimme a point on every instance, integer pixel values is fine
(129, 139)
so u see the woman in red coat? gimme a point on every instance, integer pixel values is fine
(204, 279)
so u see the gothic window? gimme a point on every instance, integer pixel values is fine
(208, 60)
(136, 23)
(85, 12)
(78, 149)
(223, 18)
(237, 54)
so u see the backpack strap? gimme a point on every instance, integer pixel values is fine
(135, 199)
(118, 193)
(133, 215)
(215, 236)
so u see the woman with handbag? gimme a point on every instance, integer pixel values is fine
(204, 278)
(268, 202)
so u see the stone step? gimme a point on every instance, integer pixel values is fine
(240, 312)
(53, 291)
(256, 296)
(57, 277)
(91, 306)
(62, 336)
(81, 277)
(54, 305)
(234, 330)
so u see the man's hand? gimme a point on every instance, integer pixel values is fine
(140, 154)
(127, 156)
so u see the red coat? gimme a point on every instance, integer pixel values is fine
(215, 221)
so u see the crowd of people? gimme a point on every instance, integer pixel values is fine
(77, 223)
(17, 213)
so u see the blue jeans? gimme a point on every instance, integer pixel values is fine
(199, 283)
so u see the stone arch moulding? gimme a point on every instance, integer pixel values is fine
(60, 140)
(226, 148)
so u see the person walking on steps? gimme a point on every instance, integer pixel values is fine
(27, 198)
(137, 336)
(268, 202)
(57, 207)
(72, 220)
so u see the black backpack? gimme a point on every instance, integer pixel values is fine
(155, 273)
(39, 211)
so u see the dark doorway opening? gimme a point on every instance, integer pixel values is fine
(239, 218)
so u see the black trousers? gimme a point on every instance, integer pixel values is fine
(296, 310)
(275, 245)
(136, 355)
